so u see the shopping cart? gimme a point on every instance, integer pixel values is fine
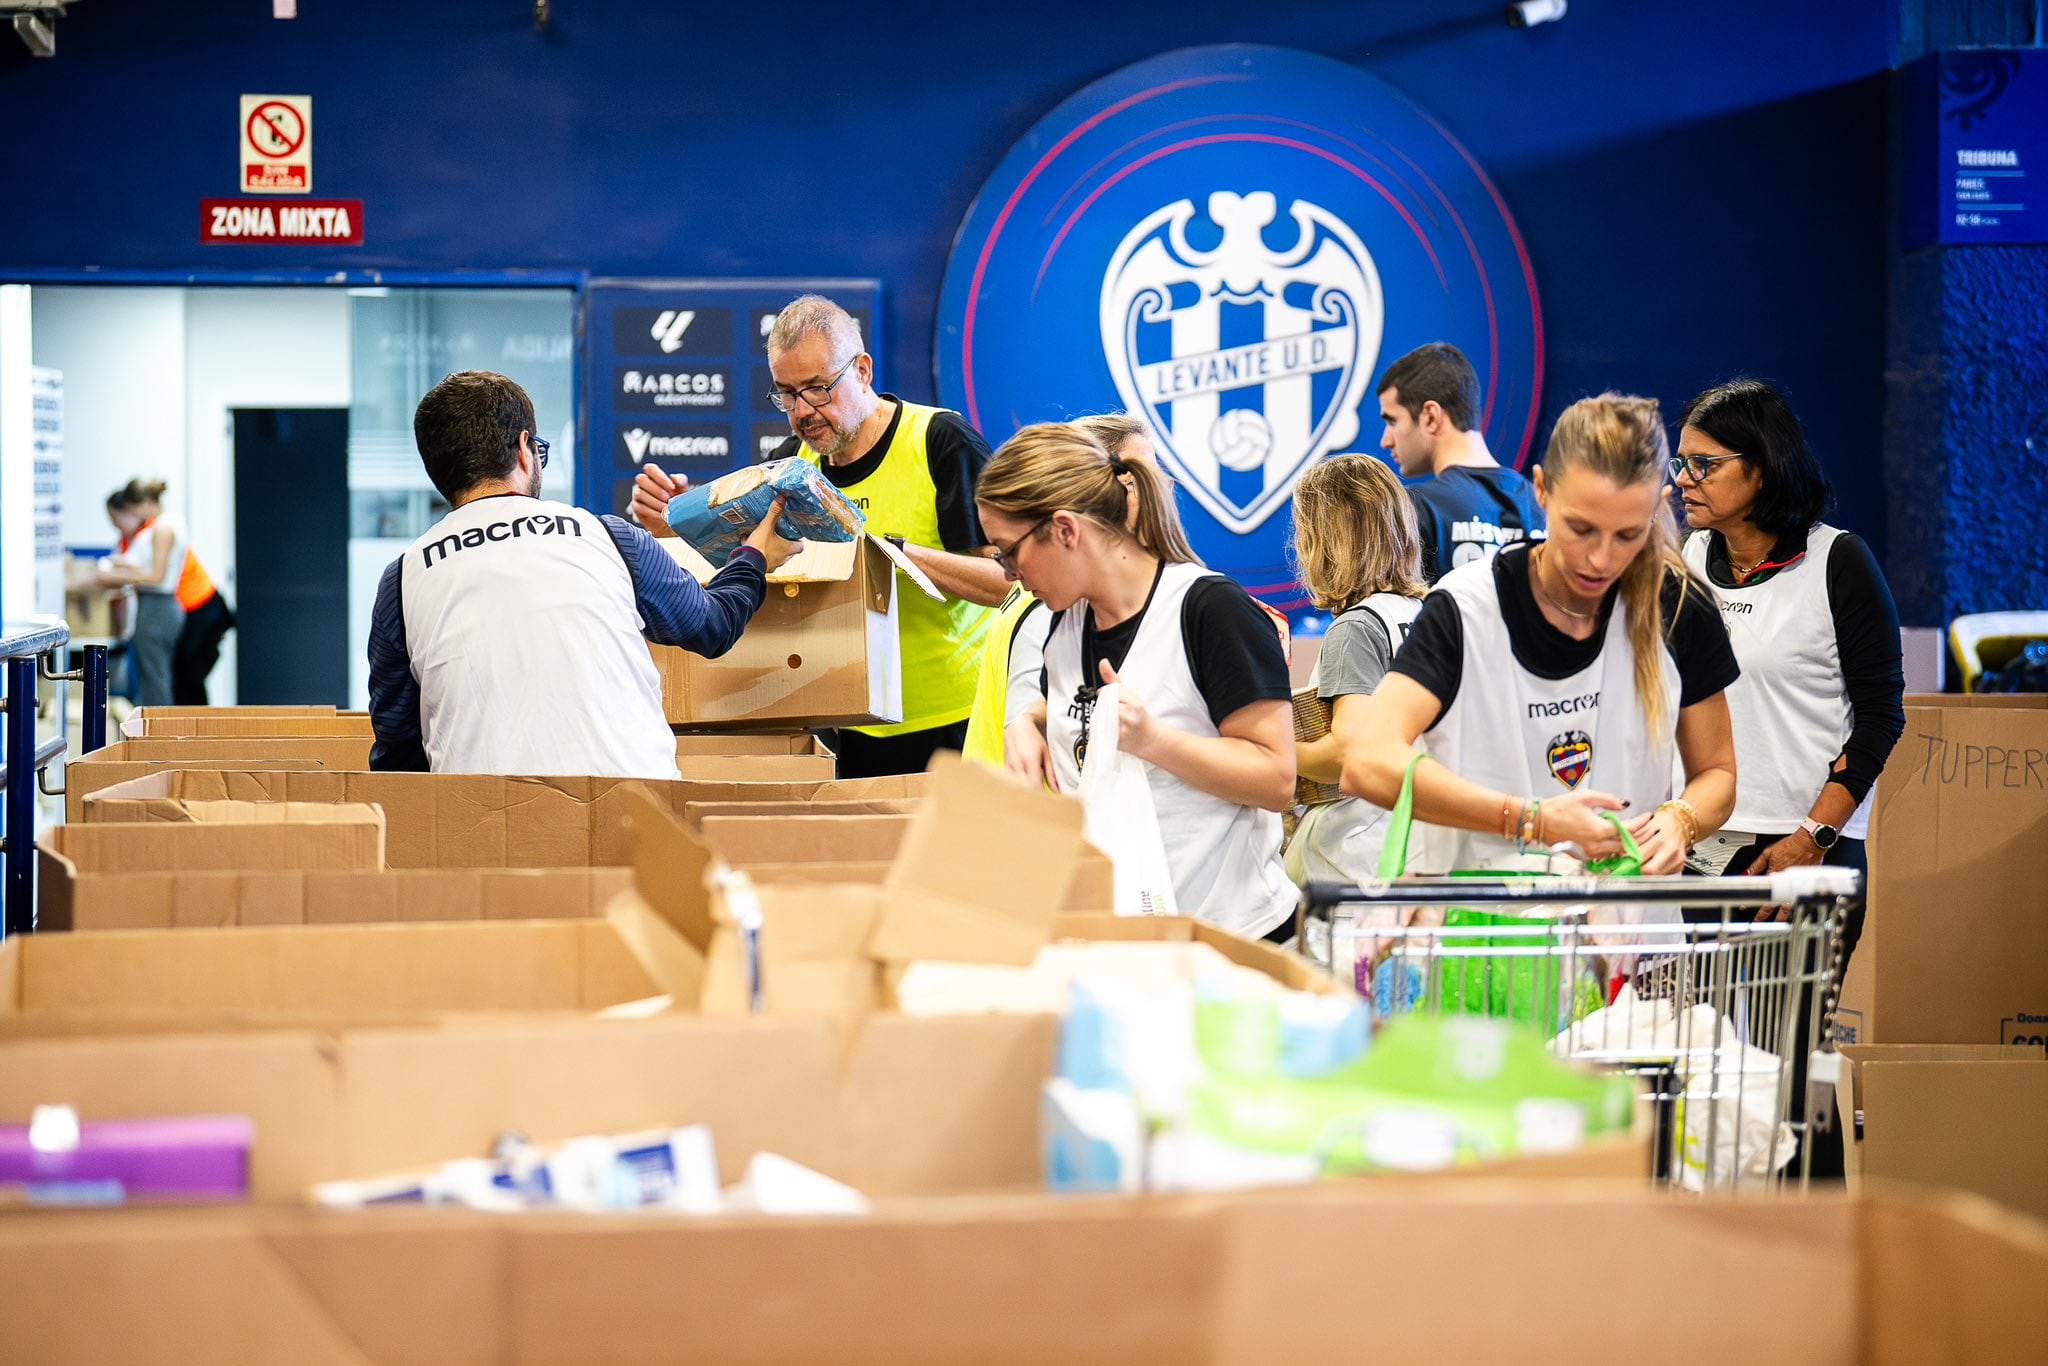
(1673, 980)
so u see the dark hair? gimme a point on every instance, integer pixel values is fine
(467, 429)
(1437, 373)
(136, 492)
(1752, 419)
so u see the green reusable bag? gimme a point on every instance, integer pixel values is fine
(1525, 987)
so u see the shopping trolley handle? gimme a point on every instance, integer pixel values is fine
(1798, 884)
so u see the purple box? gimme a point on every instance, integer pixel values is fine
(189, 1157)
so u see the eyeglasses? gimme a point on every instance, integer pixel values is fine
(817, 395)
(1006, 557)
(540, 453)
(1697, 467)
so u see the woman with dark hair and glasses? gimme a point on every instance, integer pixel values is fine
(1818, 706)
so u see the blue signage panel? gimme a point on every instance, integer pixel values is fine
(1978, 138)
(1232, 243)
(676, 372)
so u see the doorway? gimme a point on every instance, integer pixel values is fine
(291, 546)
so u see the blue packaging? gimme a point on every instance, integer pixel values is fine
(721, 514)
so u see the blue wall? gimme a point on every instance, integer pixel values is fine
(1702, 187)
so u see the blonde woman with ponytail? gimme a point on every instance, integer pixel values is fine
(1562, 679)
(1203, 680)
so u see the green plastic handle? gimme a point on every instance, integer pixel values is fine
(1394, 853)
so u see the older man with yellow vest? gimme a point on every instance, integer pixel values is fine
(911, 470)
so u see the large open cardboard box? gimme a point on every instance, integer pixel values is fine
(1392, 1271)
(102, 875)
(708, 757)
(509, 965)
(457, 820)
(1955, 946)
(129, 759)
(821, 651)
(223, 723)
(894, 1105)
(227, 898)
(1968, 1117)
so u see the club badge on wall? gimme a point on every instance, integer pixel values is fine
(1231, 242)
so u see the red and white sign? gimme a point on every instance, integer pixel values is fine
(277, 144)
(261, 220)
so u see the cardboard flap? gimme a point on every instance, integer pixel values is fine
(672, 963)
(817, 562)
(983, 871)
(813, 956)
(670, 868)
(909, 570)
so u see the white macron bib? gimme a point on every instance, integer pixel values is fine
(1790, 708)
(1225, 857)
(525, 638)
(1513, 731)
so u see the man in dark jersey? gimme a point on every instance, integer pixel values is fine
(1466, 502)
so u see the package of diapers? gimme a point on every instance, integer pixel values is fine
(719, 515)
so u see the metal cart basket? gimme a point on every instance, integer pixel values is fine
(1674, 980)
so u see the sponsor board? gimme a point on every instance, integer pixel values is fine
(677, 374)
(637, 443)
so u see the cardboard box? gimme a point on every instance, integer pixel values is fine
(752, 742)
(982, 875)
(128, 759)
(579, 965)
(748, 841)
(101, 874)
(179, 739)
(1091, 891)
(228, 723)
(1971, 1118)
(1888, 1280)
(1955, 947)
(757, 768)
(456, 820)
(898, 1107)
(821, 651)
(696, 813)
(223, 899)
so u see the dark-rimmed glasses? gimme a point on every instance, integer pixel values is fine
(540, 453)
(1006, 556)
(817, 395)
(1697, 467)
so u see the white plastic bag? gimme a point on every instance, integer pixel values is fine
(1121, 820)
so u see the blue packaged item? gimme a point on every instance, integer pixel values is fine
(721, 514)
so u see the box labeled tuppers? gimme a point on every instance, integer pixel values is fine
(720, 515)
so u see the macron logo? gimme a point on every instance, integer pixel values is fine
(669, 327)
(636, 439)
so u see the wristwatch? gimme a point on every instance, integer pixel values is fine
(894, 540)
(1824, 836)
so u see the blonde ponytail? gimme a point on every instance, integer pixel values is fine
(1060, 466)
(1621, 437)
